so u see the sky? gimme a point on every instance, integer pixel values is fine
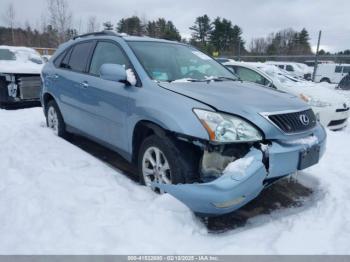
(257, 18)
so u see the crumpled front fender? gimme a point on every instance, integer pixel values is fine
(241, 182)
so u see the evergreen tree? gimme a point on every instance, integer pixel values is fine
(131, 26)
(108, 25)
(201, 30)
(163, 29)
(227, 38)
(303, 39)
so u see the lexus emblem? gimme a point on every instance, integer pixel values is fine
(304, 119)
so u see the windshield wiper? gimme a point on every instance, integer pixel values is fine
(222, 78)
(188, 80)
(209, 79)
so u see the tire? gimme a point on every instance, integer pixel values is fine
(181, 168)
(325, 80)
(55, 122)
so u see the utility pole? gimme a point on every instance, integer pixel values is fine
(239, 49)
(316, 56)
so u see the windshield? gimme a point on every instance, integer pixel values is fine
(6, 54)
(176, 62)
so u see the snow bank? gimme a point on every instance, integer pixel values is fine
(239, 166)
(309, 141)
(57, 199)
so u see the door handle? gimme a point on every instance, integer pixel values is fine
(84, 84)
(53, 77)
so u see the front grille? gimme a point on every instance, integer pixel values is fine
(29, 87)
(337, 122)
(294, 122)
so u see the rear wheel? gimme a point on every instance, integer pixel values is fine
(161, 161)
(54, 119)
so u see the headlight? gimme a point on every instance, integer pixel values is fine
(314, 102)
(227, 128)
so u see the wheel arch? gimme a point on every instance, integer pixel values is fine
(142, 130)
(325, 79)
(47, 97)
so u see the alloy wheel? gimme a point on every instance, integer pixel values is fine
(155, 168)
(52, 119)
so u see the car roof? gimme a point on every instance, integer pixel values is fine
(128, 38)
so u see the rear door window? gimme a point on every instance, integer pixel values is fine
(107, 53)
(59, 59)
(80, 56)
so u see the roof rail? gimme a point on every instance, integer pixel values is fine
(105, 32)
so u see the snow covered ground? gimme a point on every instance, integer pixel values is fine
(57, 199)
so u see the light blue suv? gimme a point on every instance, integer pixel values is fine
(193, 129)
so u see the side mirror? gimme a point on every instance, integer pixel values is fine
(113, 72)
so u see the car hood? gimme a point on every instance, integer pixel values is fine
(20, 67)
(237, 97)
(244, 99)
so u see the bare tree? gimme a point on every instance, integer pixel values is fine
(9, 18)
(60, 18)
(92, 24)
(258, 45)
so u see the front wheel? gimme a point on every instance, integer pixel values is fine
(161, 161)
(54, 119)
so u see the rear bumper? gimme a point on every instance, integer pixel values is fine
(247, 178)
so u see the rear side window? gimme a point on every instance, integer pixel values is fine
(107, 53)
(57, 62)
(79, 56)
(338, 69)
(251, 76)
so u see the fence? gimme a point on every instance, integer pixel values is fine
(344, 59)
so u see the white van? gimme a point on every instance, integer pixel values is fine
(331, 73)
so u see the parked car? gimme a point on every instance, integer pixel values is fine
(296, 69)
(20, 82)
(185, 120)
(331, 108)
(331, 73)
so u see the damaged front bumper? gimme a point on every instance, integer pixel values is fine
(17, 90)
(245, 178)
